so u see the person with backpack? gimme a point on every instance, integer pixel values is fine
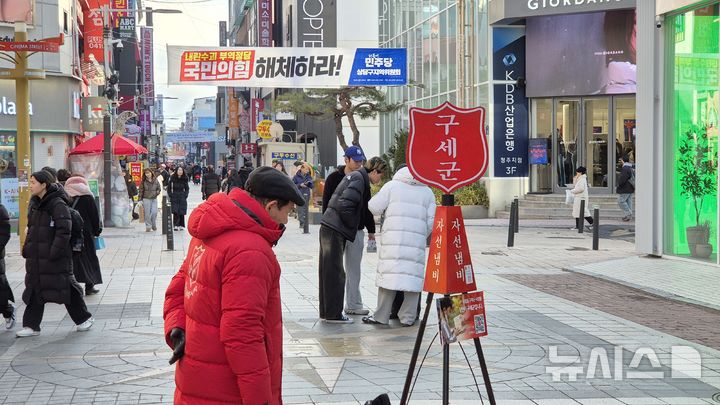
(48, 258)
(626, 187)
(86, 265)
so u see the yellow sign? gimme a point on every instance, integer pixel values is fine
(263, 129)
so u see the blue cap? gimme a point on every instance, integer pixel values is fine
(355, 153)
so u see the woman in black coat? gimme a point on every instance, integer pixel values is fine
(6, 294)
(86, 265)
(178, 191)
(48, 258)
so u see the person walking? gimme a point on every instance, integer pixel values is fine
(210, 183)
(7, 298)
(243, 174)
(48, 258)
(150, 189)
(164, 174)
(626, 187)
(580, 192)
(304, 181)
(409, 208)
(223, 307)
(178, 191)
(86, 265)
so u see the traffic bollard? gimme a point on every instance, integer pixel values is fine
(581, 220)
(596, 228)
(163, 213)
(168, 222)
(516, 224)
(306, 208)
(511, 226)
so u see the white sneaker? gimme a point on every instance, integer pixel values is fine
(10, 322)
(85, 326)
(27, 332)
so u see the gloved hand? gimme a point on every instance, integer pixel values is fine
(177, 336)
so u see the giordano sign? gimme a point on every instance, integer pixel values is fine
(507, 10)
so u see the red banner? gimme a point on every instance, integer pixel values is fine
(136, 169)
(264, 22)
(29, 46)
(449, 267)
(256, 108)
(216, 65)
(248, 148)
(93, 33)
(148, 82)
(122, 5)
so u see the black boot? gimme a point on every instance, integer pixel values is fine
(90, 289)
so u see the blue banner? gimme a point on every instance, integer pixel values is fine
(379, 67)
(510, 118)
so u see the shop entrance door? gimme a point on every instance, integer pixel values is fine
(582, 128)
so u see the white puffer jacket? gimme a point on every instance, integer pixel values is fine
(409, 208)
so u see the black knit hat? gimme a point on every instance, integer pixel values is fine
(581, 170)
(270, 183)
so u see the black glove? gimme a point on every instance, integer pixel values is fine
(177, 337)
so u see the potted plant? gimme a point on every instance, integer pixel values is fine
(472, 199)
(697, 170)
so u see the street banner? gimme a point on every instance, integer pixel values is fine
(287, 67)
(264, 22)
(233, 109)
(93, 33)
(36, 46)
(462, 317)
(199, 136)
(446, 146)
(136, 169)
(148, 78)
(449, 267)
(93, 111)
(145, 121)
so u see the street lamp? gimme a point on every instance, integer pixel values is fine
(107, 119)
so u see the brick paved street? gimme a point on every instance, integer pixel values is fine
(540, 315)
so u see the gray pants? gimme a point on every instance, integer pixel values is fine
(150, 210)
(353, 259)
(408, 309)
(625, 203)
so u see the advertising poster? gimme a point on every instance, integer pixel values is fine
(93, 33)
(287, 67)
(538, 154)
(17, 10)
(10, 196)
(136, 169)
(510, 118)
(462, 317)
(94, 189)
(582, 54)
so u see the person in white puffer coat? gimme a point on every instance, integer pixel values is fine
(409, 208)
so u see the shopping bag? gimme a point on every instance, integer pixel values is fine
(99, 243)
(371, 246)
(141, 212)
(569, 197)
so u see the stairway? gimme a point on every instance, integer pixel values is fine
(552, 206)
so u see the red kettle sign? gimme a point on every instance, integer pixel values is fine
(447, 147)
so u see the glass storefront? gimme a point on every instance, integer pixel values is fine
(593, 132)
(691, 138)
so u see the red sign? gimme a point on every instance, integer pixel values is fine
(462, 317)
(264, 22)
(447, 147)
(37, 46)
(93, 33)
(120, 5)
(148, 82)
(256, 108)
(203, 66)
(136, 169)
(449, 267)
(248, 148)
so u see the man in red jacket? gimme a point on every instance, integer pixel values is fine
(222, 309)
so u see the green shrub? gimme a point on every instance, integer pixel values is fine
(473, 194)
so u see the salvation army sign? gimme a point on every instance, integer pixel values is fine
(447, 147)
(287, 67)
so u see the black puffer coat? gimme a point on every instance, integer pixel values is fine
(47, 252)
(210, 184)
(6, 293)
(178, 191)
(86, 265)
(347, 205)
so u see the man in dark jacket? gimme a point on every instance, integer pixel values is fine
(210, 183)
(225, 300)
(626, 187)
(243, 174)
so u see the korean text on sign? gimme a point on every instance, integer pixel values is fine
(298, 66)
(198, 66)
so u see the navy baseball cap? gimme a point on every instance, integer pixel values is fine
(355, 153)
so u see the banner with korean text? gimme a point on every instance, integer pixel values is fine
(148, 78)
(287, 67)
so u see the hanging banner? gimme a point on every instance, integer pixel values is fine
(233, 109)
(148, 82)
(287, 67)
(264, 22)
(93, 33)
(256, 110)
(180, 137)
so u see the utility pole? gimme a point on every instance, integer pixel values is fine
(107, 125)
(460, 62)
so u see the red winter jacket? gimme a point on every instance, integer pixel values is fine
(226, 297)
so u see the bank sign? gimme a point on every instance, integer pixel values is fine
(510, 117)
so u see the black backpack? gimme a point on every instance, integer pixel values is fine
(77, 241)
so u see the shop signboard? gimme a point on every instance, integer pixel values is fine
(510, 120)
(317, 24)
(256, 110)
(285, 155)
(287, 67)
(126, 27)
(148, 78)
(136, 169)
(514, 9)
(10, 195)
(93, 111)
(263, 129)
(233, 109)
(264, 22)
(248, 148)
(93, 33)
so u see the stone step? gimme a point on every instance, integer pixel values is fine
(561, 197)
(555, 204)
(557, 213)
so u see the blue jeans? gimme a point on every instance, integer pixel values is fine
(625, 203)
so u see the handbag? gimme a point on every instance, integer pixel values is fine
(99, 243)
(569, 197)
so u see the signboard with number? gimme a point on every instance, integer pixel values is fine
(446, 146)
(449, 267)
(287, 67)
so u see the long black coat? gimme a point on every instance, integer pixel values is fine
(47, 252)
(6, 293)
(86, 265)
(178, 191)
(210, 185)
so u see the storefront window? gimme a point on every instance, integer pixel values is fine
(694, 81)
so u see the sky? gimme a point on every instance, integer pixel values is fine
(197, 25)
